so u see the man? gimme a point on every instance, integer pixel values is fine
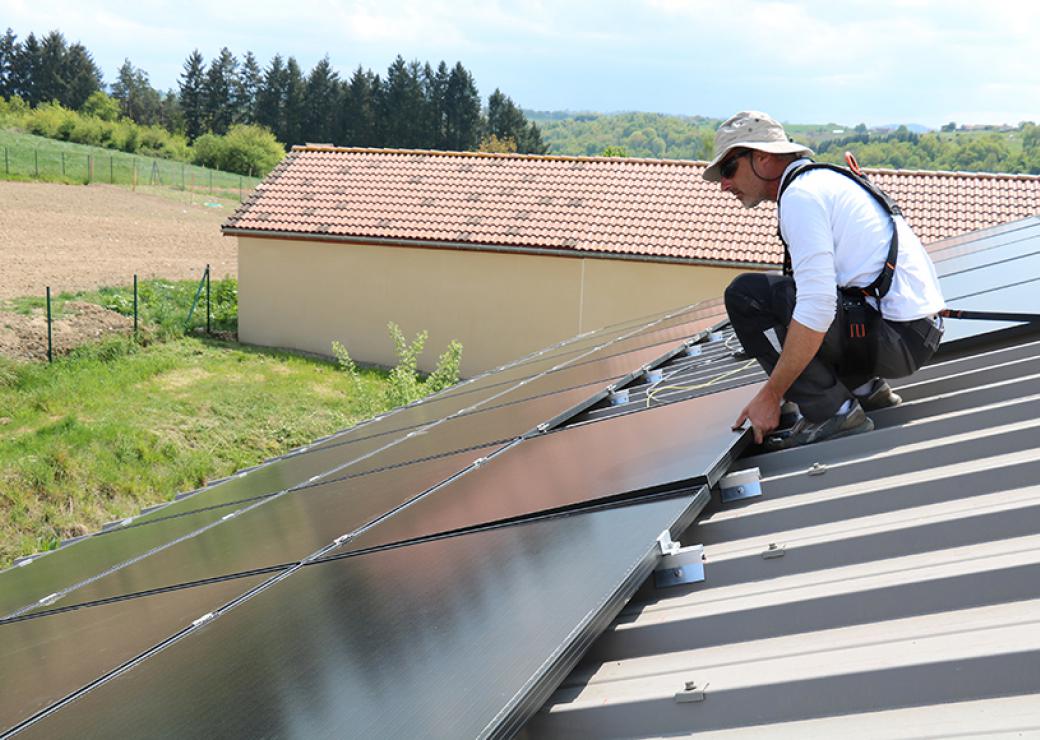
(824, 350)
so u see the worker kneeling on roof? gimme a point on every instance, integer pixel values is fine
(857, 301)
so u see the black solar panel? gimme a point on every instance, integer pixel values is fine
(660, 449)
(278, 532)
(996, 271)
(459, 637)
(43, 660)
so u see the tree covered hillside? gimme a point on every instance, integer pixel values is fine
(659, 136)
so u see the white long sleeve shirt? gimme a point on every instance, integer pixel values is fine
(839, 236)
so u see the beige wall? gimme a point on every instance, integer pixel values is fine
(305, 294)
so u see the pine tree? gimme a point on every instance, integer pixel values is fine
(138, 100)
(506, 121)
(295, 94)
(247, 86)
(270, 98)
(192, 102)
(171, 117)
(9, 48)
(321, 99)
(357, 118)
(217, 92)
(48, 77)
(403, 106)
(462, 111)
(24, 69)
(435, 90)
(82, 76)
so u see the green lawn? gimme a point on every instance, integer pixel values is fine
(115, 427)
(28, 157)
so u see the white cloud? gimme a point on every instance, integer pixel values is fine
(873, 60)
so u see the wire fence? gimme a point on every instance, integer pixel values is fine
(166, 301)
(119, 168)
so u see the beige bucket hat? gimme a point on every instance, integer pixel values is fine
(751, 129)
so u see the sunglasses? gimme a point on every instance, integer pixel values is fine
(729, 168)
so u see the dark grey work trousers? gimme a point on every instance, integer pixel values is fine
(758, 302)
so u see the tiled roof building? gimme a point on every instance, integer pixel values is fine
(635, 208)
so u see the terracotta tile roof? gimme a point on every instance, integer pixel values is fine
(637, 207)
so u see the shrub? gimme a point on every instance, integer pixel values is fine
(101, 106)
(247, 150)
(405, 385)
(208, 150)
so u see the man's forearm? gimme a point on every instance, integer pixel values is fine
(800, 346)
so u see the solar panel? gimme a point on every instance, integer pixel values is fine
(997, 271)
(459, 637)
(43, 660)
(278, 532)
(508, 420)
(658, 449)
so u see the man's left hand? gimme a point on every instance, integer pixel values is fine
(763, 412)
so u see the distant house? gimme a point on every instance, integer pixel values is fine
(509, 253)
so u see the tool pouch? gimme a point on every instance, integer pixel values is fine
(859, 326)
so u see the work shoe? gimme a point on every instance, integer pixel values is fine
(853, 421)
(880, 396)
(789, 415)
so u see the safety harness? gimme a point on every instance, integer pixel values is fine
(859, 315)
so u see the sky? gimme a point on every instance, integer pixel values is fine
(803, 61)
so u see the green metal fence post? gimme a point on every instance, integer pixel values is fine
(50, 348)
(63, 163)
(135, 305)
(211, 182)
(7, 163)
(209, 311)
(195, 300)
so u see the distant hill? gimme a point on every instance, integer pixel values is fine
(905, 146)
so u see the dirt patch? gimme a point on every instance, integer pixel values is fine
(24, 337)
(76, 237)
(176, 379)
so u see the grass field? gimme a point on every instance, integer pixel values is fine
(28, 157)
(115, 427)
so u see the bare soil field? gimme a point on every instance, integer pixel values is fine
(25, 337)
(76, 237)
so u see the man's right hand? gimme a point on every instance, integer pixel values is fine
(763, 412)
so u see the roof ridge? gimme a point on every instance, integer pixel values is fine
(499, 155)
(628, 160)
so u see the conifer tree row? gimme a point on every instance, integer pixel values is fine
(414, 106)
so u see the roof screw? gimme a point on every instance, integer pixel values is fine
(691, 685)
(772, 545)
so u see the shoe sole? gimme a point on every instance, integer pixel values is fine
(866, 426)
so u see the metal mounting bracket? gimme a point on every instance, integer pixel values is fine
(678, 565)
(740, 485)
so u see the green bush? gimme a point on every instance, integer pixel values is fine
(244, 150)
(247, 150)
(101, 106)
(405, 385)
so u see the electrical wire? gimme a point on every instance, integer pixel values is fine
(655, 389)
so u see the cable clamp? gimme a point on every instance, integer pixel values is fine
(203, 619)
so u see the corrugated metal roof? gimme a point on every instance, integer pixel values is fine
(905, 603)
(637, 208)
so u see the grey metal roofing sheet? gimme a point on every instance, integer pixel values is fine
(905, 601)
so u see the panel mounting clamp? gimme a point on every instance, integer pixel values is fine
(691, 692)
(678, 565)
(740, 485)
